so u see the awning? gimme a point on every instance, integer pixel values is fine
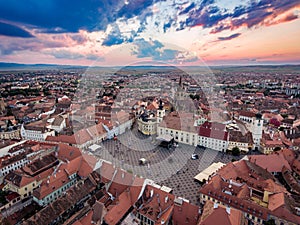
(204, 175)
(164, 137)
(94, 147)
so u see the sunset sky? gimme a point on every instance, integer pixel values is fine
(113, 32)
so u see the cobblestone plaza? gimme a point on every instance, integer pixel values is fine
(170, 167)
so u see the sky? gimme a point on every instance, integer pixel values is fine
(124, 32)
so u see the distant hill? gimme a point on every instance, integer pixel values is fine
(260, 68)
(4, 65)
(155, 68)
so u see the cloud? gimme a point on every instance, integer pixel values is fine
(13, 44)
(167, 25)
(13, 31)
(229, 37)
(154, 49)
(188, 8)
(60, 16)
(290, 17)
(147, 49)
(115, 37)
(93, 57)
(220, 28)
(285, 18)
(65, 54)
(157, 51)
(255, 13)
(134, 8)
(8, 49)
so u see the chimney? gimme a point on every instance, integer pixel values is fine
(228, 210)
(166, 199)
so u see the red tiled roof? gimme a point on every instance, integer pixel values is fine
(275, 201)
(272, 163)
(185, 214)
(179, 121)
(107, 171)
(157, 205)
(219, 215)
(96, 130)
(62, 138)
(67, 152)
(124, 202)
(11, 196)
(213, 130)
(87, 165)
(296, 166)
(279, 207)
(288, 154)
(247, 114)
(82, 136)
(233, 200)
(120, 182)
(51, 184)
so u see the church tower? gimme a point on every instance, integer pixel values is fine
(161, 112)
(257, 128)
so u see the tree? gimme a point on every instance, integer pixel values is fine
(236, 151)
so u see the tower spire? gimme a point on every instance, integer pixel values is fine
(160, 107)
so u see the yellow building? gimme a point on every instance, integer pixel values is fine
(21, 184)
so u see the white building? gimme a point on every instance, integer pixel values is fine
(38, 133)
(180, 126)
(123, 120)
(9, 163)
(257, 130)
(58, 123)
(213, 135)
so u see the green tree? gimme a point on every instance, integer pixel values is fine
(236, 151)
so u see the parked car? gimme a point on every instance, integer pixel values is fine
(195, 156)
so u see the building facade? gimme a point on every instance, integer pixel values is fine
(36, 133)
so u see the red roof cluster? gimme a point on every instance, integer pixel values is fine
(213, 130)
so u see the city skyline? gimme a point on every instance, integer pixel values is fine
(116, 33)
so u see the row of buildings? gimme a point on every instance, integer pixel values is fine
(195, 130)
(74, 188)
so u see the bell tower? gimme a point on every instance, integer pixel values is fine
(257, 128)
(161, 112)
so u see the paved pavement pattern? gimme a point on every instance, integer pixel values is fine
(171, 167)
